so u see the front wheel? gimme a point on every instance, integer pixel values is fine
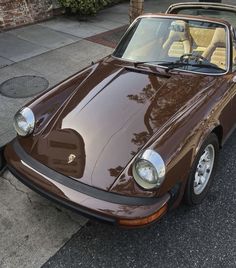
(202, 171)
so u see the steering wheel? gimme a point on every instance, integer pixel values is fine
(190, 56)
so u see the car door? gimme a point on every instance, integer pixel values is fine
(229, 113)
(234, 76)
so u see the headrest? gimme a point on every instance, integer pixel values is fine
(178, 26)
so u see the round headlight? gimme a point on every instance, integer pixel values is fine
(24, 121)
(149, 169)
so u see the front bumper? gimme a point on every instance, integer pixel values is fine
(89, 201)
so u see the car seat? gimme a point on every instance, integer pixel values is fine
(179, 39)
(216, 51)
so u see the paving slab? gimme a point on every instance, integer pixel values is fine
(44, 36)
(85, 50)
(32, 228)
(9, 134)
(121, 8)
(73, 26)
(48, 63)
(67, 60)
(102, 21)
(16, 49)
(4, 62)
(114, 17)
(16, 69)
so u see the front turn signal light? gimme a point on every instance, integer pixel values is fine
(144, 221)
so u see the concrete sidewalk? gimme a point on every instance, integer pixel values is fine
(32, 229)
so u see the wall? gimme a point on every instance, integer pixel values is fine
(14, 13)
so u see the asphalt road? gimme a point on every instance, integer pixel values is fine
(202, 236)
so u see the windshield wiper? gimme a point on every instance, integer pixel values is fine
(207, 65)
(150, 69)
(169, 64)
(176, 64)
(137, 63)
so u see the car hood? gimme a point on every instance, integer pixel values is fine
(109, 118)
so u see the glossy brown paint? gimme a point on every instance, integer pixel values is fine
(108, 113)
(105, 138)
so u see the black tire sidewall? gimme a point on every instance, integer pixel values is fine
(189, 196)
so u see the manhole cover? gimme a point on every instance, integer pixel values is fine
(23, 86)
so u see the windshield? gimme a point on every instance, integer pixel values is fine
(164, 40)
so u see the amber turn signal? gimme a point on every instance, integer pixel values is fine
(144, 221)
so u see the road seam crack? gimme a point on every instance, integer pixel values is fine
(17, 189)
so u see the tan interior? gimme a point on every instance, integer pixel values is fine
(210, 43)
(216, 50)
(178, 42)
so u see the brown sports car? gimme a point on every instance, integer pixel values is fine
(126, 139)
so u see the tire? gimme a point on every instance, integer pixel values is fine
(202, 171)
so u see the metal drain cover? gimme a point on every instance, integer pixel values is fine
(23, 86)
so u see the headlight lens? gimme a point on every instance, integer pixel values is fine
(24, 121)
(149, 169)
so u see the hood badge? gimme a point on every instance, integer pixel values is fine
(71, 158)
